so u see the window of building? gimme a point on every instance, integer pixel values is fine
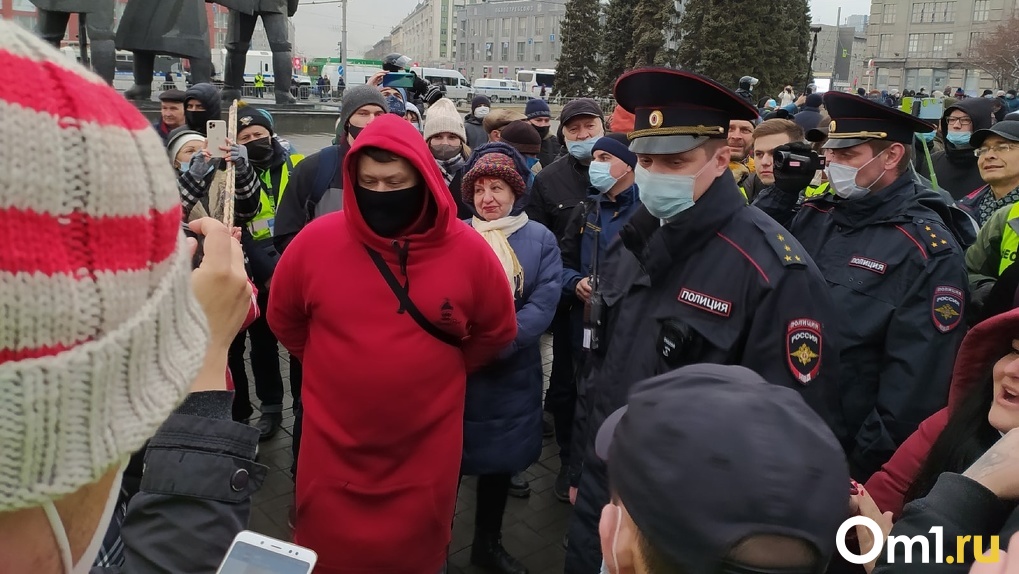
(537, 51)
(881, 77)
(981, 10)
(539, 25)
(971, 83)
(520, 51)
(522, 26)
(913, 46)
(943, 45)
(889, 15)
(927, 12)
(507, 26)
(26, 22)
(504, 52)
(975, 38)
(490, 28)
(488, 51)
(884, 47)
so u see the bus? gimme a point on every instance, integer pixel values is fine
(533, 80)
(124, 77)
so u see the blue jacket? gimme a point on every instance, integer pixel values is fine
(502, 415)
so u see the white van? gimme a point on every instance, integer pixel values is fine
(499, 90)
(457, 88)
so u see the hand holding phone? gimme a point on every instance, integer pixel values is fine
(256, 552)
(398, 80)
(215, 137)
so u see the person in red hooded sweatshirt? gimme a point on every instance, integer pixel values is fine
(388, 304)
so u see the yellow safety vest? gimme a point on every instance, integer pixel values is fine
(817, 191)
(259, 81)
(1009, 241)
(261, 226)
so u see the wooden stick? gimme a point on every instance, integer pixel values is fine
(231, 169)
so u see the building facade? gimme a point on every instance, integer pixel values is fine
(428, 34)
(24, 13)
(381, 49)
(926, 44)
(859, 22)
(499, 37)
(841, 57)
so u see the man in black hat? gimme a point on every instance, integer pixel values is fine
(895, 271)
(704, 278)
(765, 495)
(171, 113)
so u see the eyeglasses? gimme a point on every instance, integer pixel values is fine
(961, 121)
(997, 149)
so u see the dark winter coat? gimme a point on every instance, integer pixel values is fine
(195, 492)
(72, 6)
(557, 189)
(956, 166)
(551, 150)
(476, 135)
(502, 416)
(308, 194)
(808, 118)
(898, 279)
(174, 27)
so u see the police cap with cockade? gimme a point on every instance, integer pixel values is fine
(855, 120)
(676, 111)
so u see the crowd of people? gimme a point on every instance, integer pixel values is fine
(766, 318)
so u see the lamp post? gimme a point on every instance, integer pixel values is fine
(343, 42)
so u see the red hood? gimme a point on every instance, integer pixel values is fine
(985, 343)
(393, 133)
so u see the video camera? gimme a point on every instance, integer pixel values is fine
(795, 163)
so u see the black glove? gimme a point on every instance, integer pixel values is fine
(790, 179)
(291, 8)
(433, 94)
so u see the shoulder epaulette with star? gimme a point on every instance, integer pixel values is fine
(934, 236)
(788, 254)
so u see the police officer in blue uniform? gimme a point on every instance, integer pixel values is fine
(704, 278)
(894, 269)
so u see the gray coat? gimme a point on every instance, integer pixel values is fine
(195, 492)
(173, 27)
(72, 6)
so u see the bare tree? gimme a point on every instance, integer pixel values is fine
(997, 53)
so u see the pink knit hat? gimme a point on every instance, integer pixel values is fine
(496, 165)
(100, 334)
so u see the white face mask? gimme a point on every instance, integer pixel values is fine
(92, 550)
(481, 111)
(843, 179)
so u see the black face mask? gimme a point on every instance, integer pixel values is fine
(260, 150)
(197, 120)
(354, 131)
(389, 213)
(542, 131)
(445, 152)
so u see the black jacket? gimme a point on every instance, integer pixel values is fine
(557, 189)
(956, 166)
(669, 305)
(476, 135)
(808, 118)
(897, 276)
(551, 150)
(308, 194)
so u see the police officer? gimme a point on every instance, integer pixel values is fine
(704, 278)
(895, 271)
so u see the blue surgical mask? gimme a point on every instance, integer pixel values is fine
(185, 166)
(958, 138)
(583, 150)
(927, 137)
(531, 162)
(601, 179)
(666, 195)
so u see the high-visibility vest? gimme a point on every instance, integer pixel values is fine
(816, 191)
(261, 226)
(1009, 240)
(259, 81)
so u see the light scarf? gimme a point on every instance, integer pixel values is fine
(496, 234)
(450, 167)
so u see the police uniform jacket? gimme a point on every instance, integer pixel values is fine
(722, 283)
(897, 277)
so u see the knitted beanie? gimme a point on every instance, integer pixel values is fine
(179, 138)
(100, 334)
(537, 108)
(522, 136)
(617, 145)
(356, 98)
(480, 100)
(248, 116)
(495, 163)
(443, 117)
(498, 118)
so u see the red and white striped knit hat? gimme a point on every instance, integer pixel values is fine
(100, 334)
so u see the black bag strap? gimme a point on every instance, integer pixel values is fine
(407, 304)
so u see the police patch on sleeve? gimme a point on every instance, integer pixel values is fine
(803, 349)
(947, 307)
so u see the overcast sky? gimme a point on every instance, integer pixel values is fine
(318, 22)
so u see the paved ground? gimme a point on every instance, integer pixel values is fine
(533, 528)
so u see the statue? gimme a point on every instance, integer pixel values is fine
(98, 18)
(274, 15)
(173, 27)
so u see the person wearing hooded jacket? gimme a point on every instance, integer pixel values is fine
(476, 134)
(956, 167)
(376, 489)
(502, 417)
(201, 104)
(894, 268)
(308, 194)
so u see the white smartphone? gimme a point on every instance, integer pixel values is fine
(254, 553)
(215, 131)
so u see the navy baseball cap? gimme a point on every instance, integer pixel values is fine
(706, 456)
